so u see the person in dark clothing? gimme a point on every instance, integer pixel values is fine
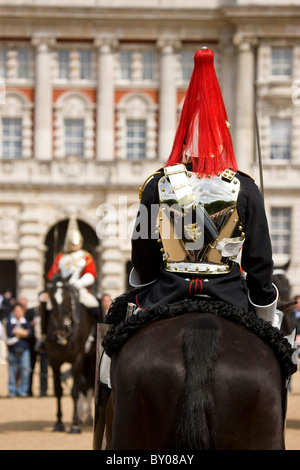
(32, 316)
(201, 228)
(18, 331)
(7, 304)
(296, 316)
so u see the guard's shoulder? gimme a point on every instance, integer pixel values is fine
(88, 257)
(158, 172)
(245, 174)
(87, 253)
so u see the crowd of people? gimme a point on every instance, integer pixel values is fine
(20, 329)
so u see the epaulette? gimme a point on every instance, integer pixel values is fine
(141, 189)
(88, 254)
(228, 175)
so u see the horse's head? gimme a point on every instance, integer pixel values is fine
(63, 298)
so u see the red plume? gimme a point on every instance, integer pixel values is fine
(203, 131)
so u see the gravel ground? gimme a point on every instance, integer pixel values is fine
(27, 423)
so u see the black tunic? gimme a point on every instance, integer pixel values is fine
(231, 287)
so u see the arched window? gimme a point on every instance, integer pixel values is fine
(136, 127)
(74, 131)
(16, 127)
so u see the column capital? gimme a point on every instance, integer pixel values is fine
(225, 41)
(42, 42)
(244, 41)
(106, 43)
(168, 44)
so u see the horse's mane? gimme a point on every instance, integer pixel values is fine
(125, 329)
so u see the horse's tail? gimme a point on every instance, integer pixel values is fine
(200, 347)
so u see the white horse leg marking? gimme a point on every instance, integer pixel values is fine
(59, 296)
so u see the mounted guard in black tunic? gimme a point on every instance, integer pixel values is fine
(201, 246)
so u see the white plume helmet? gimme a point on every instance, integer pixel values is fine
(73, 235)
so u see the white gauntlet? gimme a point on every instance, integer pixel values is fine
(269, 312)
(86, 280)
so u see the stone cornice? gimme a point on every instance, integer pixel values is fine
(74, 171)
(23, 21)
(260, 13)
(105, 13)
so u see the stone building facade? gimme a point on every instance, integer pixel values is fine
(90, 94)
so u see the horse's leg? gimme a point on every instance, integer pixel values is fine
(77, 375)
(109, 421)
(89, 412)
(81, 407)
(59, 426)
(84, 407)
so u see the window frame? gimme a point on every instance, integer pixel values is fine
(12, 138)
(136, 106)
(74, 105)
(279, 232)
(3, 62)
(25, 65)
(283, 143)
(188, 65)
(148, 66)
(86, 65)
(138, 143)
(126, 65)
(63, 65)
(277, 68)
(74, 141)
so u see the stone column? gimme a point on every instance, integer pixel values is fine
(244, 133)
(167, 96)
(43, 99)
(112, 268)
(31, 255)
(105, 98)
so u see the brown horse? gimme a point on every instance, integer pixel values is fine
(197, 381)
(68, 330)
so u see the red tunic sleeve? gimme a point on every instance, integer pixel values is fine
(54, 268)
(90, 266)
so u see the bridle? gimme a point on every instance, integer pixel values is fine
(64, 319)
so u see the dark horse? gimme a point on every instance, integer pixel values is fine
(197, 380)
(68, 330)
